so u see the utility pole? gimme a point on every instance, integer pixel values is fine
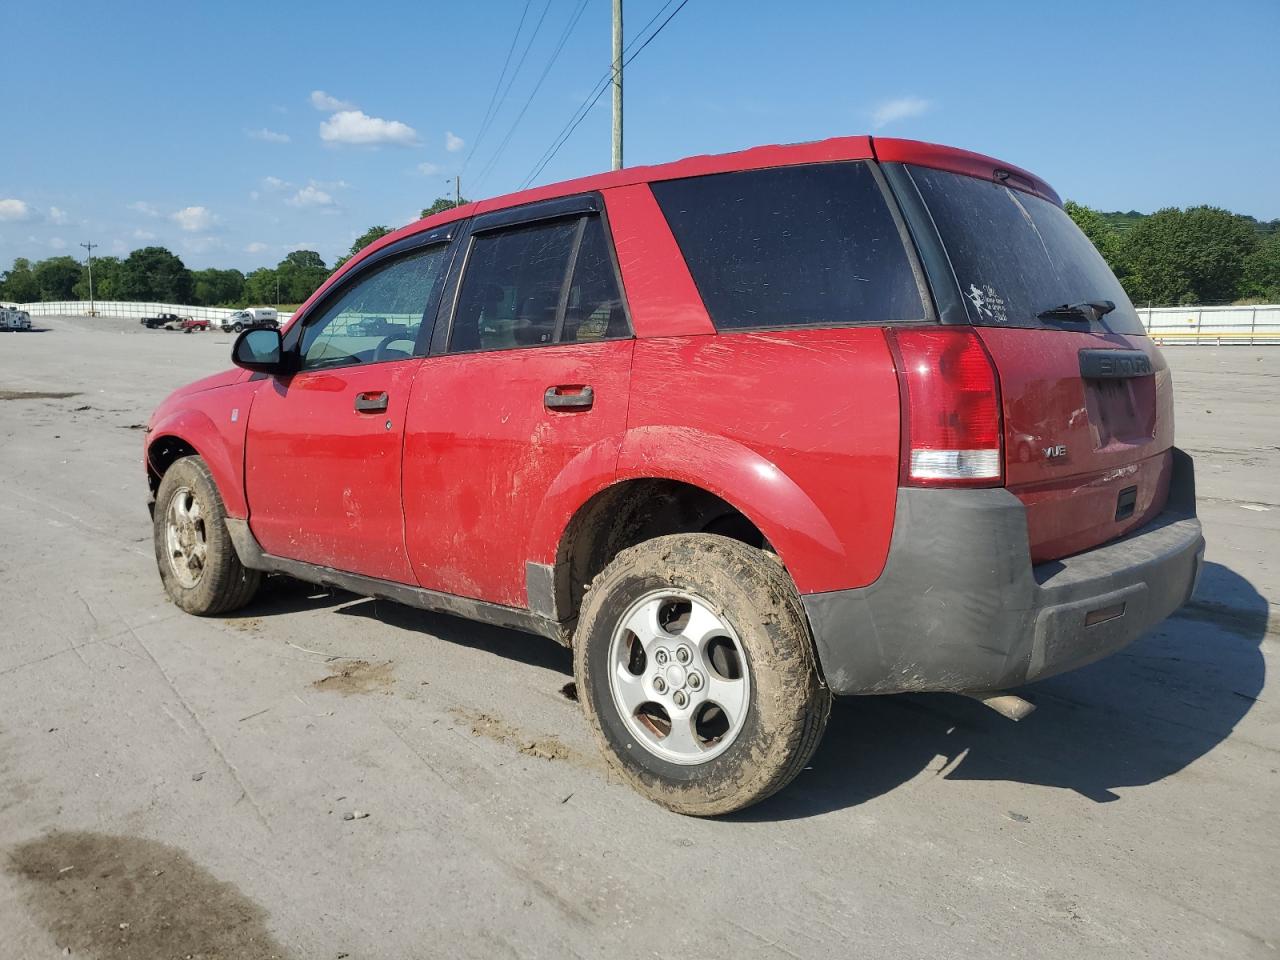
(457, 190)
(617, 84)
(89, 247)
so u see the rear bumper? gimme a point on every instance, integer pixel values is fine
(959, 606)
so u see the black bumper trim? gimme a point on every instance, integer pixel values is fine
(960, 608)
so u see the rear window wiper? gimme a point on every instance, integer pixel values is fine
(1090, 310)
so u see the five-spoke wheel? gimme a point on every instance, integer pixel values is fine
(679, 677)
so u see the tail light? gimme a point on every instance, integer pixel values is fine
(950, 408)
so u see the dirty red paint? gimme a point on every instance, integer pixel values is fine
(467, 476)
(482, 455)
(1071, 498)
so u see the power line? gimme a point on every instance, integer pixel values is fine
(493, 97)
(574, 17)
(502, 97)
(597, 92)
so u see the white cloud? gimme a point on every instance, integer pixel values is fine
(329, 104)
(428, 169)
(12, 209)
(143, 235)
(355, 126)
(267, 136)
(452, 142)
(255, 247)
(146, 209)
(312, 196)
(275, 183)
(57, 243)
(194, 219)
(57, 215)
(899, 108)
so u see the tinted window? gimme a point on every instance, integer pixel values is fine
(594, 309)
(378, 316)
(792, 246)
(1016, 255)
(510, 294)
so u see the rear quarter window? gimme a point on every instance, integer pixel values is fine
(800, 246)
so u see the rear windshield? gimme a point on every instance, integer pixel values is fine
(1016, 255)
(794, 246)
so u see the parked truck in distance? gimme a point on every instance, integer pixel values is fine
(250, 317)
(14, 319)
(169, 321)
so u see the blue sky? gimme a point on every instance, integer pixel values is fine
(234, 132)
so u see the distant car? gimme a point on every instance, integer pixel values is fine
(167, 320)
(370, 327)
(250, 317)
(190, 325)
(14, 320)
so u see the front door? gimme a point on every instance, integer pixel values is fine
(535, 375)
(323, 446)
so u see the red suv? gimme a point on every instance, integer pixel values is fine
(746, 431)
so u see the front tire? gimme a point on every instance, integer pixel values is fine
(696, 671)
(198, 564)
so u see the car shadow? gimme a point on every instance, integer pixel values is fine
(282, 595)
(1129, 720)
(1132, 719)
(500, 641)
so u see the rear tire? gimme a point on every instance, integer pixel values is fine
(198, 564)
(727, 618)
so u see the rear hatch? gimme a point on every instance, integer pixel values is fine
(1086, 396)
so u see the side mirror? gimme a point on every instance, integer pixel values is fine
(260, 349)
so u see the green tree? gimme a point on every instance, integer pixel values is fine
(1101, 233)
(214, 286)
(362, 241)
(1261, 275)
(260, 286)
(1195, 255)
(106, 279)
(443, 203)
(153, 273)
(56, 277)
(18, 285)
(300, 273)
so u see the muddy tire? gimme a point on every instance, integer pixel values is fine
(198, 564)
(695, 668)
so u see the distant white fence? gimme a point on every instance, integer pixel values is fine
(1214, 325)
(118, 308)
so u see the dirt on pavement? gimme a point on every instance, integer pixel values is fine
(1131, 816)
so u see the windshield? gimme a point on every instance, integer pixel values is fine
(1017, 256)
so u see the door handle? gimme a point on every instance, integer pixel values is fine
(568, 398)
(371, 402)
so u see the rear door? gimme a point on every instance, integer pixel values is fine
(323, 446)
(1087, 401)
(531, 374)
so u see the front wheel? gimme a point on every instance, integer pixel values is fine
(237, 327)
(199, 566)
(695, 668)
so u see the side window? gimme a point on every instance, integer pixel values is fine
(376, 318)
(513, 291)
(794, 246)
(510, 293)
(594, 309)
